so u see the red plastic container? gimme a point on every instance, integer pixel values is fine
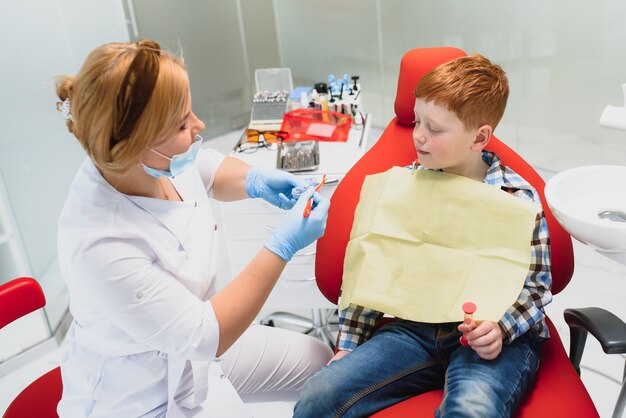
(318, 125)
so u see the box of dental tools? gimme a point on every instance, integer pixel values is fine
(298, 156)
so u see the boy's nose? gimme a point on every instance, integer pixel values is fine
(419, 133)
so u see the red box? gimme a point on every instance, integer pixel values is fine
(318, 125)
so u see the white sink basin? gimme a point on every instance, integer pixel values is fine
(590, 203)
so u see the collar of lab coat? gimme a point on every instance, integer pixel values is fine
(174, 216)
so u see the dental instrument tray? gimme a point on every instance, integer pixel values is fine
(298, 156)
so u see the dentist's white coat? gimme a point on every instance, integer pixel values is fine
(140, 272)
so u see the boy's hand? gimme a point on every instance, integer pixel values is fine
(338, 355)
(485, 339)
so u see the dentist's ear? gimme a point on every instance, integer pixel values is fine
(483, 135)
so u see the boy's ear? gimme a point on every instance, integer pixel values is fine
(483, 135)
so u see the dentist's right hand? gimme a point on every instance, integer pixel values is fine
(296, 231)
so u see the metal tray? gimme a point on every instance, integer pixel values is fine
(298, 156)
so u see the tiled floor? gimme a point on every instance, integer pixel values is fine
(597, 280)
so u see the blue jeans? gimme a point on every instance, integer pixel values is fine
(405, 358)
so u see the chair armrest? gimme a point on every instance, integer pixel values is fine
(19, 297)
(607, 328)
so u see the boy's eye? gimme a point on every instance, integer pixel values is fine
(182, 128)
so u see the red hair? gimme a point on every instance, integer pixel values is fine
(472, 87)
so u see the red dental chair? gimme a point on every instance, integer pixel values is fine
(18, 298)
(557, 390)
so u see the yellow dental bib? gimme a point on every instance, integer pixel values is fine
(421, 245)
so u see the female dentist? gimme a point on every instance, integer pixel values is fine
(151, 337)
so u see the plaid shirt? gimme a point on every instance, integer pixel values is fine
(357, 323)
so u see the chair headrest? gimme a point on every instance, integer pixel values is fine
(414, 65)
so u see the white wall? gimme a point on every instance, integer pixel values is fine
(223, 42)
(38, 157)
(565, 61)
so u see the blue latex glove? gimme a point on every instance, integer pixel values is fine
(308, 182)
(274, 186)
(296, 231)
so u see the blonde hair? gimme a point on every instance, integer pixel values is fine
(122, 102)
(472, 87)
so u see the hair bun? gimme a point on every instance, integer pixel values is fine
(149, 44)
(64, 86)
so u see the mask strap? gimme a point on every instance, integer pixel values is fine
(197, 139)
(159, 154)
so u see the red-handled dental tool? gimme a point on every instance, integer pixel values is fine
(309, 204)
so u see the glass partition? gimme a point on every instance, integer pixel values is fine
(223, 41)
(38, 156)
(564, 63)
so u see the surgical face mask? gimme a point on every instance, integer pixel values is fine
(178, 163)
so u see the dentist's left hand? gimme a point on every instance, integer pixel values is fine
(274, 186)
(295, 231)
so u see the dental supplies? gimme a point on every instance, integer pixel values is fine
(336, 95)
(311, 181)
(309, 204)
(298, 156)
(273, 88)
(318, 125)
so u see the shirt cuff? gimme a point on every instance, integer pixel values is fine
(508, 328)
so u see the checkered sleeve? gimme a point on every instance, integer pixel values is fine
(356, 324)
(527, 313)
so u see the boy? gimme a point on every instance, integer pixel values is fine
(458, 105)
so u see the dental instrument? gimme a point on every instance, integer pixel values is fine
(309, 204)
